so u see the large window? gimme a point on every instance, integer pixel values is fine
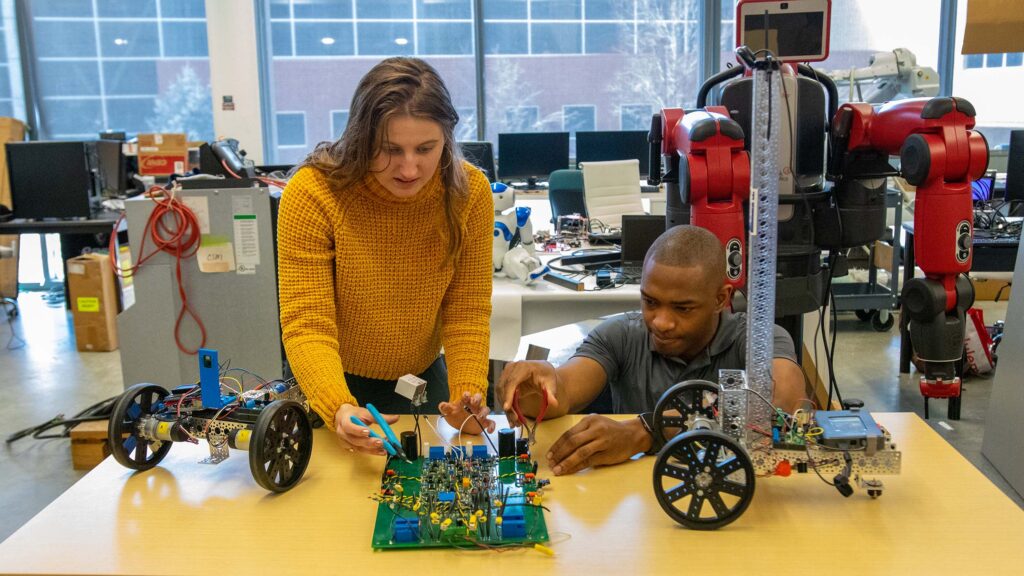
(992, 83)
(859, 29)
(623, 58)
(131, 65)
(331, 44)
(12, 102)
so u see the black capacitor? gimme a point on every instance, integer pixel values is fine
(522, 446)
(506, 443)
(411, 444)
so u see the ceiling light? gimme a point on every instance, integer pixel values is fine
(327, 41)
(401, 41)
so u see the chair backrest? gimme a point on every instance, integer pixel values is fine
(612, 189)
(481, 155)
(565, 192)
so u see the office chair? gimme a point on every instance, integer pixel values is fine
(565, 192)
(612, 189)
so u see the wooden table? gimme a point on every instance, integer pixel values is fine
(940, 517)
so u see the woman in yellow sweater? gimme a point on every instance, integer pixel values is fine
(384, 256)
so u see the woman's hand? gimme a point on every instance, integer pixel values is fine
(459, 414)
(358, 437)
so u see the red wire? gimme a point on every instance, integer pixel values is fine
(179, 238)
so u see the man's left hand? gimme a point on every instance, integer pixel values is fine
(458, 417)
(596, 441)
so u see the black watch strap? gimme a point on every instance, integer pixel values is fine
(647, 418)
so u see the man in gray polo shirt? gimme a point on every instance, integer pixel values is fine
(684, 331)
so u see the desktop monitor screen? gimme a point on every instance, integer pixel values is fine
(638, 234)
(481, 155)
(532, 156)
(614, 145)
(49, 179)
(112, 167)
(792, 31)
(983, 189)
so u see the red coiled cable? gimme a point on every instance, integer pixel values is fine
(174, 229)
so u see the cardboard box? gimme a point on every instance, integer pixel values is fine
(93, 294)
(162, 154)
(9, 267)
(991, 288)
(11, 130)
(883, 255)
(89, 444)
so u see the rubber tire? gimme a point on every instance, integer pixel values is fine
(664, 404)
(879, 325)
(673, 452)
(118, 425)
(864, 315)
(263, 442)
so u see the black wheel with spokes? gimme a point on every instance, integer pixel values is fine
(703, 479)
(681, 404)
(129, 448)
(282, 442)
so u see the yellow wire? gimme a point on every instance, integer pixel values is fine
(233, 379)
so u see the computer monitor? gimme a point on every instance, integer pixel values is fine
(531, 156)
(50, 179)
(1015, 168)
(113, 167)
(983, 189)
(113, 135)
(614, 145)
(792, 31)
(638, 234)
(481, 155)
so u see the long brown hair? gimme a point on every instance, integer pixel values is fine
(394, 87)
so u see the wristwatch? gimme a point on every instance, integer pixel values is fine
(647, 419)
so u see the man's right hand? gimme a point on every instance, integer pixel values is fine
(532, 378)
(358, 437)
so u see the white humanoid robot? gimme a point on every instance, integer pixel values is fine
(513, 254)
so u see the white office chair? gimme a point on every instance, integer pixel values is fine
(612, 189)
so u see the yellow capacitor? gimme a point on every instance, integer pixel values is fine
(537, 500)
(447, 522)
(497, 520)
(434, 516)
(416, 506)
(497, 503)
(544, 550)
(466, 483)
(479, 513)
(472, 522)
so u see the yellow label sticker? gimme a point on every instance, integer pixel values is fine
(88, 304)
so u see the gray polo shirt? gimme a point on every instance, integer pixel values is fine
(638, 375)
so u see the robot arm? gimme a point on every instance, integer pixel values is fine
(889, 76)
(940, 154)
(712, 178)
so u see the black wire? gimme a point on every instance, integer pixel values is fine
(99, 411)
(10, 323)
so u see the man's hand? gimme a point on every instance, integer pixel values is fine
(358, 437)
(596, 441)
(532, 378)
(458, 417)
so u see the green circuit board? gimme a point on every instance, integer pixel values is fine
(455, 501)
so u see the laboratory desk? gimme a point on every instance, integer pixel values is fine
(518, 310)
(941, 516)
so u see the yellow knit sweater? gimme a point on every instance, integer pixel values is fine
(364, 287)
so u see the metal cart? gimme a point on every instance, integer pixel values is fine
(870, 300)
